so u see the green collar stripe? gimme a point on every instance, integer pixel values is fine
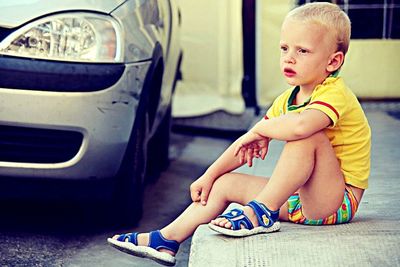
(292, 107)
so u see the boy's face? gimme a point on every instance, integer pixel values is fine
(306, 50)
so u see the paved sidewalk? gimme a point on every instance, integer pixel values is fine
(372, 239)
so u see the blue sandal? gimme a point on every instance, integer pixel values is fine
(128, 243)
(241, 224)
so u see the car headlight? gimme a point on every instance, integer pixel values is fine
(81, 37)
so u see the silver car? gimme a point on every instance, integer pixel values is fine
(85, 91)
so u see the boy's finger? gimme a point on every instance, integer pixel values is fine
(249, 157)
(256, 152)
(195, 195)
(242, 155)
(264, 151)
(204, 196)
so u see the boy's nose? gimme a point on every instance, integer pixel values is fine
(289, 59)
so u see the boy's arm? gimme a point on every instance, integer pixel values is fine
(227, 162)
(293, 126)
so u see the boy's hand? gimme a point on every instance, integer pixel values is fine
(200, 189)
(250, 146)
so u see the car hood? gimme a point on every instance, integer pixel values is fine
(16, 13)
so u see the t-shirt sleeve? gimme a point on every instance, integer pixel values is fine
(331, 101)
(277, 107)
(271, 112)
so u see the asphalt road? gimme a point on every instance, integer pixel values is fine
(47, 233)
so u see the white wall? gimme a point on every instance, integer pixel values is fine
(212, 65)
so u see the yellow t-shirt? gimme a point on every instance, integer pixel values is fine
(349, 133)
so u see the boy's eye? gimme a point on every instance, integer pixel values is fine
(303, 51)
(284, 48)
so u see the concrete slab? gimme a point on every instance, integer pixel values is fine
(372, 239)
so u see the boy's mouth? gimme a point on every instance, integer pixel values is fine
(288, 72)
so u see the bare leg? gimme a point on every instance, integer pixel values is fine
(309, 166)
(231, 187)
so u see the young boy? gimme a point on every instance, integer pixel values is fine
(324, 167)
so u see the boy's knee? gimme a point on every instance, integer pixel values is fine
(317, 139)
(222, 180)
(222, 183)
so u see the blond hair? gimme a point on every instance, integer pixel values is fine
(330, 16)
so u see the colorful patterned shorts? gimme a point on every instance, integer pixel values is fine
(344, 214)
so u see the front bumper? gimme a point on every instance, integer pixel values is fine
(98, 103)
(43, 75)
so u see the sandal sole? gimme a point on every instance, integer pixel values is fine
(143, 252)
(245, 232)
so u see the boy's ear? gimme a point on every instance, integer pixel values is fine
(335, 61)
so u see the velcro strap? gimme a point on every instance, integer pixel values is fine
(265, 216)
(157, 241)
(130, 237)
(237, 218)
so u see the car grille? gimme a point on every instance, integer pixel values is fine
(33, 145)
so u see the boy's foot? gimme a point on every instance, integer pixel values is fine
(143, 240)
(247, 211)
(151, 245)
(241, 222)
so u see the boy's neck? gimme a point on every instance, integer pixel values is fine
(302, 96)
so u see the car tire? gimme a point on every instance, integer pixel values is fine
(128, 198)
(159, 144)
(158, 148)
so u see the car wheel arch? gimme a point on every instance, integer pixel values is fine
(151, 94)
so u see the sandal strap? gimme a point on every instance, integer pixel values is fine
(265, 216)
(157, 241)
(132, 238)
(237, 223)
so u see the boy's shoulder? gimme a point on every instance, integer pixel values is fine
(333, 85)
(333, 82)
